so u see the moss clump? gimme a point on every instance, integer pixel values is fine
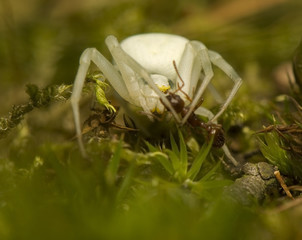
(38, 98)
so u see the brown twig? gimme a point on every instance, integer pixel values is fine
(283, 184)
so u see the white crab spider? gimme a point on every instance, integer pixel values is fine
(144, 69)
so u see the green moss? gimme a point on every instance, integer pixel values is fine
(38, 98)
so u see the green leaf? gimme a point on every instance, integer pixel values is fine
(126, 184)
(174, 146)
(111, 171)
(151, 147)
(201, 186)
(164, 161)
(174, 159)
(162, 158)
(183, 155)
(211, 172)
(199, 159)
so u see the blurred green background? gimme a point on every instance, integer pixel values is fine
(42, 40)
(59, 197)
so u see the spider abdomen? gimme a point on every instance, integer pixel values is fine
(156, 51)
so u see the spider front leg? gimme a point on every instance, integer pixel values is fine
(204, 60)
(217, 60)
(88, 56)
(198, 59)
(188, 72)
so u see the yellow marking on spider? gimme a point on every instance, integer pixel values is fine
(164, 88)
(157, 110)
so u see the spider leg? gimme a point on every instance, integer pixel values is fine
(217, 96)
(204, 112)
(130, 77)
(229, 155)
(92, 54)
(207, 113)
(130, 65)
(188, 72)
(205, 63)
(217, 60)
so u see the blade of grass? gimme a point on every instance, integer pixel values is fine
(174, 160)
(111, 171)
(125, 186)
(161, 157)
(203, 186)
(151, 147)
(174, 146)
(198, 161)
(183, 154)
(211, 172)
(164, 161)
